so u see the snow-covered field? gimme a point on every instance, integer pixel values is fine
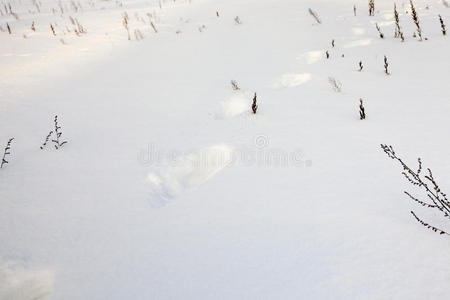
(169, 187)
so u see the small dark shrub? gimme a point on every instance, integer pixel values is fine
(415, 19)
(386, 65)
(362, 112)
(254, 105)
(371, 7)
(444, 32)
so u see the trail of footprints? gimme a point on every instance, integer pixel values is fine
(190, 170)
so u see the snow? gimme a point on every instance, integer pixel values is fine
(171, 188)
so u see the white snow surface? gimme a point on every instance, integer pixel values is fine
(171, 188)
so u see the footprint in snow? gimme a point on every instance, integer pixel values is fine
(238, 104)
(291, 80)
(358, 43)
(311, 57)
(20, 282)
(187, 172)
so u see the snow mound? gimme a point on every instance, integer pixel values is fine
(235, 106)
(22, 283)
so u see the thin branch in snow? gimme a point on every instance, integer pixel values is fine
(154, 27)
(151, 22)
(234, 85)
(125, 24)
(398, 29)
(444, 32)
(435, 229)
(6, 152)
(427, 184)
(379, 30)
(53, 29)
(415, 19)
(47, 138)
(58, 133)
(315, 16)
(335, 84)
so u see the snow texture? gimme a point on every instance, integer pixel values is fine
(170, 187)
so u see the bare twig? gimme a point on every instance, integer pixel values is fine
(398, 29)
(47, 138)
(58, 133)
(234, 85)
(415, 19)
(6, 152)
(315, 16)
(335, 84)
(379, 30)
